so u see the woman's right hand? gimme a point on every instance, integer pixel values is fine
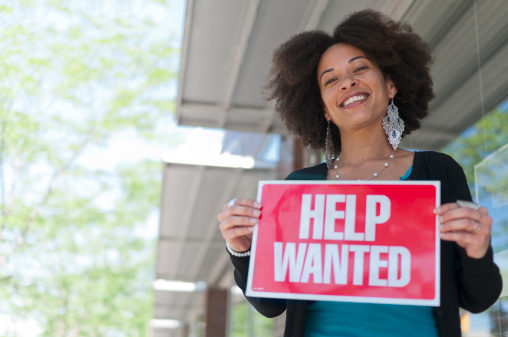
(237, 221)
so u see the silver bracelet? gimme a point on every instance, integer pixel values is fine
(235, 253)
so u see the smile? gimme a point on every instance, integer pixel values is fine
(354, 99)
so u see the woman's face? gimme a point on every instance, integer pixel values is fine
(353, 88)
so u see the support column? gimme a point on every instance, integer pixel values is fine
(290, 156)
(298, 155)
(279, 324)
(293, 156)
(184, 330)
(216, 312)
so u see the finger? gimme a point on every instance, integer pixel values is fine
(460, 213)
(242, 202)
(467, 225)
(483, 211)
(238, 210)
(454, 205)
(462, 237)
(237, 232)
(235, 221)
(476, 245)
(445, 208)
(231, 202)
(471, 240)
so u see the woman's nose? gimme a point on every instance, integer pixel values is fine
(348, 83)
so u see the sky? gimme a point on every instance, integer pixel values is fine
(190, 139)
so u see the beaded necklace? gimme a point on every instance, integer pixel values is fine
(336, 166)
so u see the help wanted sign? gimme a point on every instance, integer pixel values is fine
(375, 242)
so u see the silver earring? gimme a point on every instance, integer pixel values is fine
(393, 125)
(329, 150)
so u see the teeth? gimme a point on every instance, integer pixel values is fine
(354, 99)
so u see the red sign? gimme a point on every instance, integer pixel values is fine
(375, 242)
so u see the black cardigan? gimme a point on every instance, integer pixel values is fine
(472, 284)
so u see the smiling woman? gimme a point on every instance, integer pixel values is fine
(352, 87)
(390, 46)
(355, 93)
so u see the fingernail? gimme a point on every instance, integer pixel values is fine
(257, 204)
(441, 227)
(437, 209)
(253, 221)
(256, 213)
(251, 229)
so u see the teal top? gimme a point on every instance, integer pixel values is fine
(341, 319)
(326, 319)
(407, 174)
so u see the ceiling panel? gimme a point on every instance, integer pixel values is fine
(450, 28)
(226, 56)
(210, 47)
(276, 21)
(190, 246)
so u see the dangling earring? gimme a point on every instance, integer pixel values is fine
(393, 125)
(329, 150)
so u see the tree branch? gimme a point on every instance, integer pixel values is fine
(12, 196)
(7, 209)
(35, 209)
(2, 176)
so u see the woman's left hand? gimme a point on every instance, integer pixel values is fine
(469, 228)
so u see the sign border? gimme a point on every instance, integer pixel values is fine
(357, 299)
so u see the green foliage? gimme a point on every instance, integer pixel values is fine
(244, 318)
(482, 139)
(482, 151)
(75, 254)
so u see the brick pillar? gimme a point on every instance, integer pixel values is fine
(298, 155)
(184, 330)
(291, 157)
(216, 312)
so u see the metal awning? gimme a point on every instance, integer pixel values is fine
(190, 246)
(226, 56)
(228, 45)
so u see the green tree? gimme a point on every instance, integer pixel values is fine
(482, 148)
(245, 321)
(75, 79)
(488, 135)
(485, 143)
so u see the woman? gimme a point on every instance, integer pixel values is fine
(356, 93)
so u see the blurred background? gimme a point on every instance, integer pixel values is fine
(127, 124)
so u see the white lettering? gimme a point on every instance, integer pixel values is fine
(359, 251)
(349, 227)
(332, 260)
(393, 266)
(313, 264)
(282, 263)
(375, 264)
(316, 214)
(306, 260)
(371, 218)
(332, 214)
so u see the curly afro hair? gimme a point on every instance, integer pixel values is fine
(400, 53)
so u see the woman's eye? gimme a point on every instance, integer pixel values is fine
(330, 80)
(360, 69)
